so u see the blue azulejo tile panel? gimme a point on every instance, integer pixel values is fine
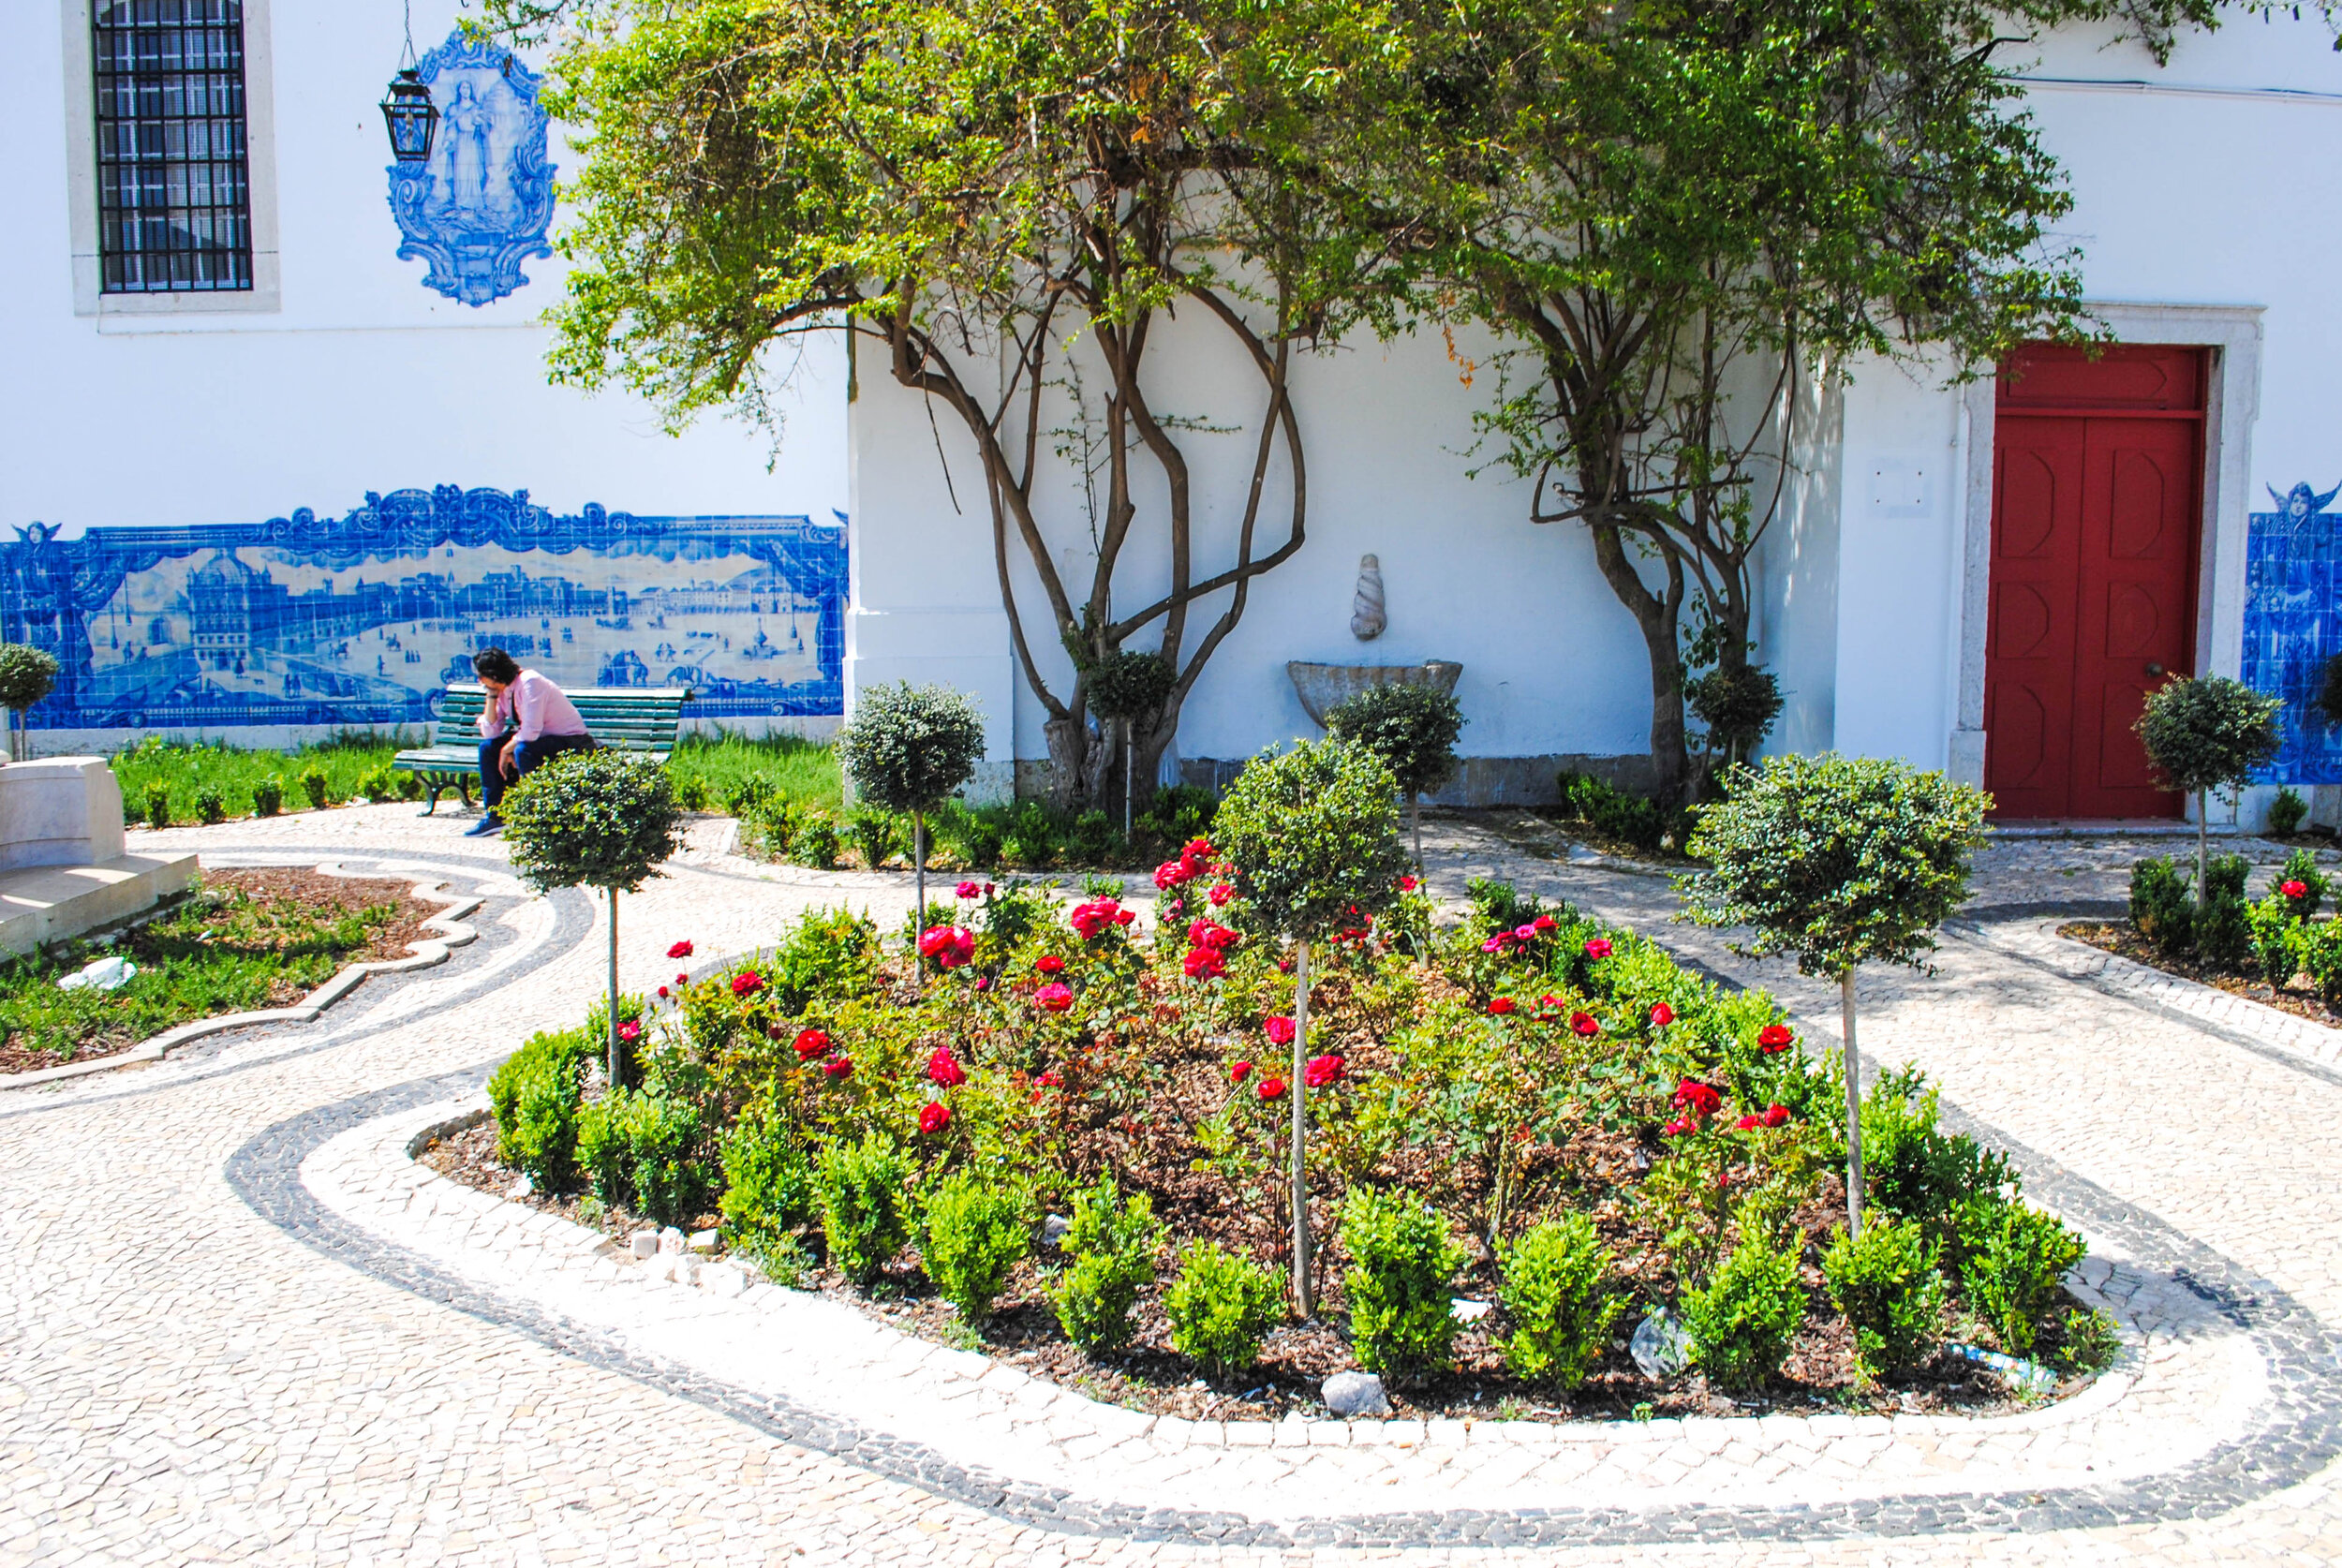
(480, 205)
(361, 619)
(2293, 627)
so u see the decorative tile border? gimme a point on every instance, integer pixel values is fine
(428, 952)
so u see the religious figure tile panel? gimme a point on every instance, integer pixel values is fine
(2293, 627)
(480, 205)
(361, 620)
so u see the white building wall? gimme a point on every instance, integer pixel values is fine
(364, 379)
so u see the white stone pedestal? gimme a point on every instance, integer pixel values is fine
(62, 866)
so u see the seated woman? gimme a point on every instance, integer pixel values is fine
(528, 722)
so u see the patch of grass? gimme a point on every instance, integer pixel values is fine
(709, 771)
(220, 951)
(186, 770)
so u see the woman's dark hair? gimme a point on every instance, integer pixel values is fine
(495, 665)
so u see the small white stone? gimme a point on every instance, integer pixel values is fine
(643, 1243)
(703, 1241)
(519, 1189)
(1355, 1394)
(1463, 1311)
(670, 1240)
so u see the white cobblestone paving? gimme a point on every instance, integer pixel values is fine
(191, 1378)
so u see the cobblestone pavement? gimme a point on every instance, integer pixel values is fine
(225, 1341)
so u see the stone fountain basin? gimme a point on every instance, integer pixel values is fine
(1323, 688)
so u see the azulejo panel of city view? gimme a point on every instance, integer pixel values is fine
(363, 619)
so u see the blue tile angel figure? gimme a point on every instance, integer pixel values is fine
(2297, 505)
(2307, 644)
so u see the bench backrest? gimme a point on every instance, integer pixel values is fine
(623, 718)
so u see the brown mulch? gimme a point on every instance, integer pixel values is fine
(1153, 1378)
(2116, 936)
(323, 893)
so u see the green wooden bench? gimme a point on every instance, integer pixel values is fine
(618, 719)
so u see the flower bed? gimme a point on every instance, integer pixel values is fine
(1526, 1134)
(2276, 950)
(246, 939)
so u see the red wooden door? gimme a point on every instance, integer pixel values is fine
(2096, 496)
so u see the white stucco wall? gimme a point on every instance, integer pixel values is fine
(364, 379)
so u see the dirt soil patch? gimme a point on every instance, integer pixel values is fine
(1153, 1378)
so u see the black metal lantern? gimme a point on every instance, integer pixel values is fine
(410, 116)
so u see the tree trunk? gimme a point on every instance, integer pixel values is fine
(1853, 1106)
(1150, 743)
(1130, 774)
(2203, 836)
(1659, 618)
(617, 1066)
(1304, 1286)
(919, 922)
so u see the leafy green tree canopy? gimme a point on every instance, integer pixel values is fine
(2209, 733)
(908, 748)
(592, 819)
(1314, 836)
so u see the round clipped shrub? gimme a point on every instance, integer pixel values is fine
(1112, 1242)
(768, 1185)
(1742, 1320)
(976, 1234)
(158, 807)
(2014, 1266)
(1556, 1291)
(1220, 1308)
(815, 842)
(268, 797)
(1401, 1269)
(593, 819)
(1887, 1285)
(2205, 734)
(1312, 839)
(865, 1213)
(1838, 861)
(1412, 730)
(209, 807)
(313, 785)
(908, 748)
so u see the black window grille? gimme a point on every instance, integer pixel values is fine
(174, 206)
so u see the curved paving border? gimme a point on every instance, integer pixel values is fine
(423, 953)
(572, 921)
(2297, 1431)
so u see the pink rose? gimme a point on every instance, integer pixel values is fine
(967, 890)
(1054, 997)
(1597, 947)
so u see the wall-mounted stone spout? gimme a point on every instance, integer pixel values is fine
(1367, 619)
(1324, 687)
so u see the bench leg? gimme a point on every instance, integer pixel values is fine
(432, 788)
(465, 785)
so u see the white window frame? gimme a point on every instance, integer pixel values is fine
(81, 151)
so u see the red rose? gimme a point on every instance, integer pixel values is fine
(1195, 853)
(1524, 932)
(934, 1117)
(682, 980)
(747, 984)
(967, 890)
(1322, 1071)
(1284, 964)
(629, 1031)
(1597, 947)
(1279, 1030)
(1679, 1125)
(1219, 895)
(1204, 962)
(1054, 997)
(1170, 874)
(1662, 1015)
(1272, 1088)
(1583, 1025)
(1501, 1006)
(1123, 917)
(2294, 889)
(987, 890)
(944, 1068)
(1049, 963)
(811, 1042)
(1549, 1004)
(681, 950)
(1775, 1037)
(1408, 885)
(662, 991)
(1694, 1096)
(1050, 1080)
(934, 939)
(1748, 1124)
(1775, 1116)
(1240, 1072)
(837, 1067)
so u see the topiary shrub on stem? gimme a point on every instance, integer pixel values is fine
(1312, 835)
(2206, 734)
(1840, 861)
(27, 675)
(908, 748)
(1412, 730)
(593, 819)
(1124, 688)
